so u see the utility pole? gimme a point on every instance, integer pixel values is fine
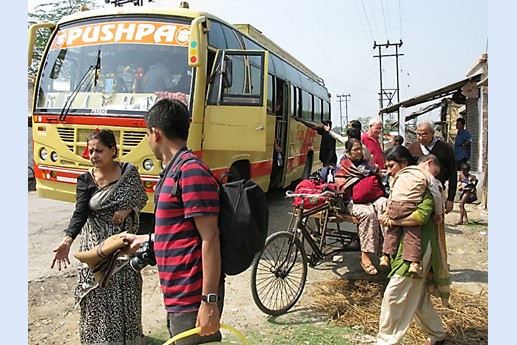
(384, 91)
(340, 111)
(346, 108)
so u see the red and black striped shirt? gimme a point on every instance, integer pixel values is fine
(177, 241)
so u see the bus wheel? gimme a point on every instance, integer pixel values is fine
(308, 166)
(240, 170)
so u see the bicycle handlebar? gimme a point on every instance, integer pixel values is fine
(326, 192)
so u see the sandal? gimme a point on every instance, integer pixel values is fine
(369, 268)
(384, 262)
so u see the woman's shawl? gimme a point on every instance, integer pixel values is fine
(125, 193)
(349, 174)
(438, 280)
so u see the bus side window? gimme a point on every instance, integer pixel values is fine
(209, 68)
(244, 78)
(270, 92)
(293, 101)
(279, 104)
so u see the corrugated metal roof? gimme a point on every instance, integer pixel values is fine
(430, 96)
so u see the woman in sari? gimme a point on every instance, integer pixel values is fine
(109, 196)
(405, 297)
(363, 184)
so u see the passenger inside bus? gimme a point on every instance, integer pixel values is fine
(277, 167)
(278, 109)
(109, 81)
(278, 154)
(183, 82)
(157, 78)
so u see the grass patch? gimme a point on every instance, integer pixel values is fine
(310, 333)
(305, 334)
(158, 337)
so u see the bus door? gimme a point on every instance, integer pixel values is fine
(281, 106)
(235, 114)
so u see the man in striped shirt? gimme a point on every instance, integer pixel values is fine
(186, 237)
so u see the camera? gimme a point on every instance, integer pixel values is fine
(144, 256)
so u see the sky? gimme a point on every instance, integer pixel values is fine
(441, 40)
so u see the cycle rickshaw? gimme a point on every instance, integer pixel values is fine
(314, 234)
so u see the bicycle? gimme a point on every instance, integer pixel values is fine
(279, 271)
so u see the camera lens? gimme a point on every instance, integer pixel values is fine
(144, 257)
(137, 264)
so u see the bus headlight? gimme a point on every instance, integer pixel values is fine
(148, 164)
(43, 154)
(53, 156)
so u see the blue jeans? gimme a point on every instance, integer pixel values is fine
(181, 322)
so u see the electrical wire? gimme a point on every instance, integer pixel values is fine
(374, 16)
(355, 79)
(400, 18)
(384, 19)
(367, 21)
(410, 86)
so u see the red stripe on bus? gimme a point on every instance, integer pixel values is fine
(94, 120)
(261, 168)
(308, 140)
(41, 173)
(296, 161)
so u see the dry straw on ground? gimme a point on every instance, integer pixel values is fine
(356, 303)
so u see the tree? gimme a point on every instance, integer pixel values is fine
(386, 124)
(50, 12)
(365, 120)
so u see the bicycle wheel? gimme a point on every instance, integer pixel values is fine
(278, 274)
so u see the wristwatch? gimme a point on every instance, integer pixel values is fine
(211, 298)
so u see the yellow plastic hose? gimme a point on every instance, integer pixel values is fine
(196, 330)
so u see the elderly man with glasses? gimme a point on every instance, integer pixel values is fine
(427, 143)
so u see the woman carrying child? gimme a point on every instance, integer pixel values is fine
(405, 297)
(407, 191)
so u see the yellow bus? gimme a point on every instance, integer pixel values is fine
(105, 68)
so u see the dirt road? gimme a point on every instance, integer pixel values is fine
(52, 318)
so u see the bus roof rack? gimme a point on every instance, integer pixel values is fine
(119, 3)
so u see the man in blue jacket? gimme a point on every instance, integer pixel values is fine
(462, 143)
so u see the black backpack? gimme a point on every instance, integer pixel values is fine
(243, 220)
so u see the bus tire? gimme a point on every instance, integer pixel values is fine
(308, 165)
(240, 170)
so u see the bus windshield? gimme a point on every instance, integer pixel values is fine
(114, 68)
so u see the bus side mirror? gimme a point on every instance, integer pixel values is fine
(227, 73)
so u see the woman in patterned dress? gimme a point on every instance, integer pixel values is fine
(109, 196)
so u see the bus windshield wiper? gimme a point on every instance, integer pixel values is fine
(87, 76)
(97, 68)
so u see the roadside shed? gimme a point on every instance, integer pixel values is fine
(467, 98)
